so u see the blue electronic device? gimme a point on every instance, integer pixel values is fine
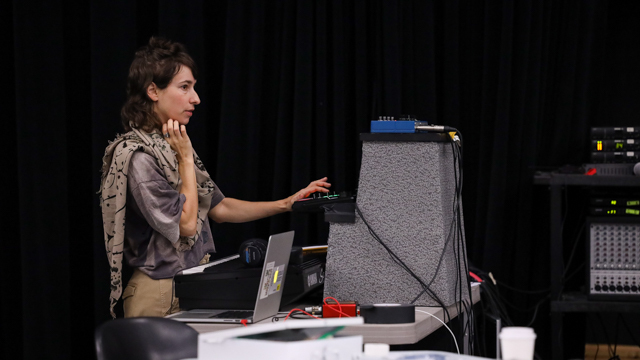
(390, 125)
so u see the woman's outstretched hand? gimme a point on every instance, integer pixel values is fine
(320, 185)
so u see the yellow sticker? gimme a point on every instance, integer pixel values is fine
(275, 277)
(278, 287)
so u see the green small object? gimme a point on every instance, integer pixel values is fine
(330, 333)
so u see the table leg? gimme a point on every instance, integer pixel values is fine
(557, 266)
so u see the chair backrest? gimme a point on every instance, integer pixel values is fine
(145, 338)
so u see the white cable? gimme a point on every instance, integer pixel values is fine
(445, 325)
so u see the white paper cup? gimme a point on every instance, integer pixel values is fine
(517, 343)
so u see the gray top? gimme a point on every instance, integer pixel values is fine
(152, 222)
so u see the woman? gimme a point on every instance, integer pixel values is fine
(152, 177)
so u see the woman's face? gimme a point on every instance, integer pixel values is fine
(178, 100)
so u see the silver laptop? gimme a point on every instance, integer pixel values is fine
(269, 291)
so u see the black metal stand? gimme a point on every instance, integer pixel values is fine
(570, 302)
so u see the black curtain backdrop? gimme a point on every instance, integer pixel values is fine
(286, 89)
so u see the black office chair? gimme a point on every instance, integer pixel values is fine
(145, 338)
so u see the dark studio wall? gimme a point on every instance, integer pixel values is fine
(286, 87)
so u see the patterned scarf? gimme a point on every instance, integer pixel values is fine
(113, 194)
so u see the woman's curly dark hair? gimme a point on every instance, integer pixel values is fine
(157, 62)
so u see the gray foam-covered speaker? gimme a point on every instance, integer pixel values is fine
(406, 194)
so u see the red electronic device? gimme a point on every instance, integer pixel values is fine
(344, 309)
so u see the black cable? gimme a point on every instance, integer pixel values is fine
(591, 331)
(535, 313)
(458, 238)
(470, 327)
(489, 298)
(577, 269)
(624, 322)
(541, 301)
(503, 311)
(490, 301)
(565, 279)
(493, 313)
(494, 298)
(458, 175)
(437, 270)
(277, 318)
(615, 338)
(494, 292)
(530, 308)
(298, 314)
(541, 291)
(482, 273)
(498, 299)
(573, 250)
(502, 299)
(491, 305)
(402, 264)
(393, 255)
(606, 335)
(566, 209)
(479, 343)
(444, 249)
(449, 234)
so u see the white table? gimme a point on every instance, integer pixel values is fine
(392, 334)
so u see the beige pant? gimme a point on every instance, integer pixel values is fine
(145, 296)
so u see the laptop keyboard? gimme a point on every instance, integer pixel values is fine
(234, 314)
